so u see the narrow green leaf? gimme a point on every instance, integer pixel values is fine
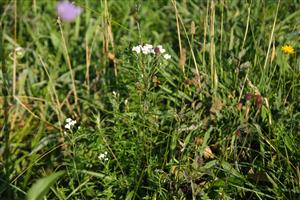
(209, 165)
(228, 168)
(289, 143)
(39, 189)
(129, 195)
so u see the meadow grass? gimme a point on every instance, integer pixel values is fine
(218, 120)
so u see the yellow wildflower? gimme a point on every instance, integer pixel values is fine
(288, 49)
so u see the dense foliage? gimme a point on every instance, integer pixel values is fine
(85, 117)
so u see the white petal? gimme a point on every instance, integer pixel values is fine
(137, 49)
(145, 51)
(167, 56)
(72, 123)
(67, 126)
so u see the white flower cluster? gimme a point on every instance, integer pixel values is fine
(150, 49)
(103, 156)
(69, 123)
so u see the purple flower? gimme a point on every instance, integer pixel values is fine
(68, 11)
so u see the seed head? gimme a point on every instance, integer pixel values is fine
(258, 101)
(248, 96)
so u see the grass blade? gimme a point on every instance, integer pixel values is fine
(42, 186)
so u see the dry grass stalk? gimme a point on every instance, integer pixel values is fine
(72, 73)
(182, 59)
(178, 34)
(108, 38)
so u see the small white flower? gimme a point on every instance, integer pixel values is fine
(72, 123)
(150, 49)
(137, 49)
(69, 123)
(167, 56)
(147, 48)
(68, 126)
(103, 156)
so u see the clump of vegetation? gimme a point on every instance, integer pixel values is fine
(149, 100)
